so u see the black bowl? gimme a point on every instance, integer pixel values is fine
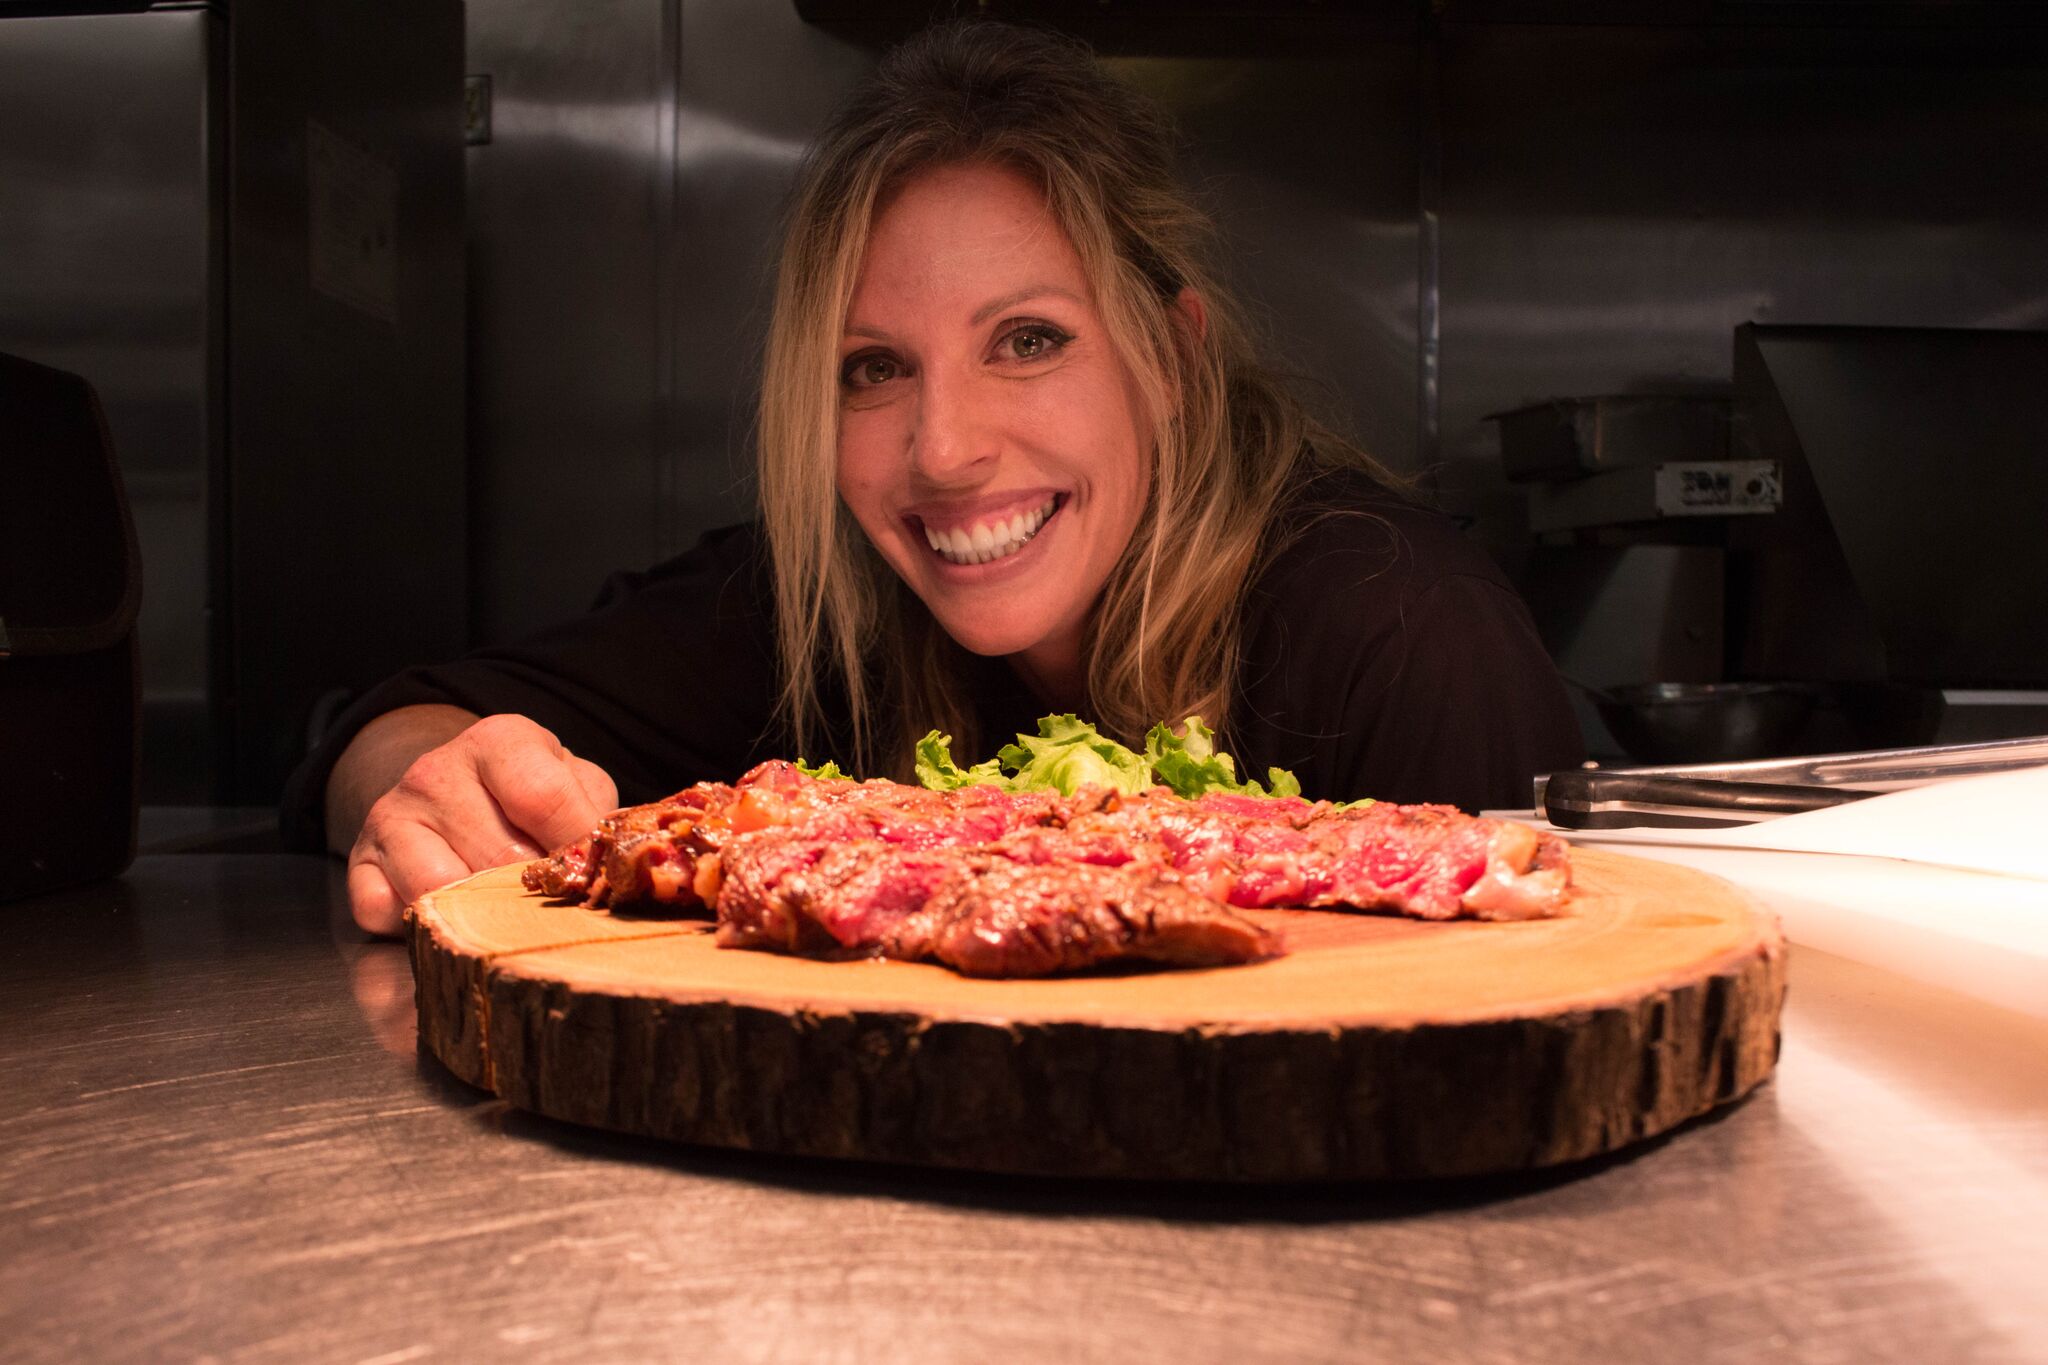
(1705, 722)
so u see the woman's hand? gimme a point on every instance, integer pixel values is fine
(426, 795)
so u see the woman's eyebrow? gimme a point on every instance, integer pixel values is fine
(981, 314)
(994, 306)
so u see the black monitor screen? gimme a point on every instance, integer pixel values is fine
(1930, 450)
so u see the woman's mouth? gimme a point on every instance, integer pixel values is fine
(984, 542)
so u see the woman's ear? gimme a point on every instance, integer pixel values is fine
(1194, 310)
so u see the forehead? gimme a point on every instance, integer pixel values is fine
(963, 233)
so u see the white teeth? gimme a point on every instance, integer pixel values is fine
(988, 541)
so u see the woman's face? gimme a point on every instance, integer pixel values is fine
(990, 439)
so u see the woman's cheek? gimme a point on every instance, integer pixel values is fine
(858, 475)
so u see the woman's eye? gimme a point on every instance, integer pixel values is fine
(1033, 342)
(867, 371)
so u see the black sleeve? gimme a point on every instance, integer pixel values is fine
(1385, 656)
(670, 679)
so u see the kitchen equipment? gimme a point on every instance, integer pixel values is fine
(1675, 722)
(1909, 545)
(1868, 771)
(1378, 1046)
(1898, 568)
(1649, 493)
(1568, 437)
(1591, 798)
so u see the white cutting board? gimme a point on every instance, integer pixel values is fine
(1946, 884)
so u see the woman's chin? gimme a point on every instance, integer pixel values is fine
(997, 623)
(978, 635)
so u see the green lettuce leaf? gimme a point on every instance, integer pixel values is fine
(827, 769)
(1191, 764)
(937, 770)
(1069, 753)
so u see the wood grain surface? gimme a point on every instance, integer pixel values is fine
(1377, 1047)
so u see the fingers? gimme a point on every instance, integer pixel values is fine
(410, 859)
(376, 907)
(543, 789)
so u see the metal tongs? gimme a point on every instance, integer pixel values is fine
(1711, 795)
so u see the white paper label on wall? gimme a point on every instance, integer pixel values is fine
(352, 224)
(1703, 488)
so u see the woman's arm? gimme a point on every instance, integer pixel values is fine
(426, 795)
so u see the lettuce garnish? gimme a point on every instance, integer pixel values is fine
(1068, 752)
(936, 769)
(1192, 765)
(827, 769)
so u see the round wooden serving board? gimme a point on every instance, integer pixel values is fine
(1377, 1047)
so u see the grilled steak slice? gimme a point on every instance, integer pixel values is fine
(563, 874)
(788, 891)
(641, 855)
(970, 908)
(1019, 919)
(1431, 862)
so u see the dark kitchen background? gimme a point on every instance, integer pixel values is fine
(383, 391)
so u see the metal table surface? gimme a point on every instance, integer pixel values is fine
(218, 1141)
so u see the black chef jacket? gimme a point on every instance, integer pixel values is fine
(1384, 655)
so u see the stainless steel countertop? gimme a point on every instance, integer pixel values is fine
(217, 1140)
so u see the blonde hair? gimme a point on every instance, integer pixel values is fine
(1228, 442)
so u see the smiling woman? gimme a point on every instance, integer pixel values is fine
(1014, 291)
(1017, 454)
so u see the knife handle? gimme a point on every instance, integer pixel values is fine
(1587, 798)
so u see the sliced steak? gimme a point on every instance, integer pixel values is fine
(995, 883)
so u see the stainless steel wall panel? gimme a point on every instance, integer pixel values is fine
(756, 84)
(109, 267)
(567, 478)
(1309, 168)
(342, 553)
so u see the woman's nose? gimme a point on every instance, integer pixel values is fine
(951, 437)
